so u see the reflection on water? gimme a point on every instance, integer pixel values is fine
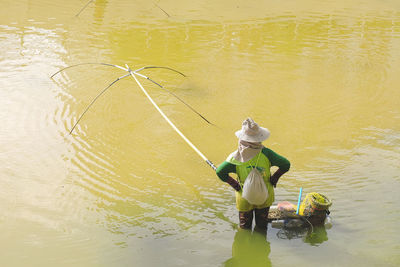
(315, 236)
(249, 249)
(252, 248)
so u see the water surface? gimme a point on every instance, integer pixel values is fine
(125, 190)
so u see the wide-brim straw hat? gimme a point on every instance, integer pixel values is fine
(252, 132)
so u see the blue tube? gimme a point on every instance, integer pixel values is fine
(298, 201)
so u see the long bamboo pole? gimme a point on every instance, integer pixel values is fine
(171, 123)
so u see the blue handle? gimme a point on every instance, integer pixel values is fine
(298, 201)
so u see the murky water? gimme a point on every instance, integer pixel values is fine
(125, 190)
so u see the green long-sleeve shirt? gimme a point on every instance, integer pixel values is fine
(282, 163)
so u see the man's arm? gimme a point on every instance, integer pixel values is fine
(223, 171)
(276, 160)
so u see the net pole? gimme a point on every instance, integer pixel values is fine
(172, 124)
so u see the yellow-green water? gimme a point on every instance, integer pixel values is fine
(125, 190)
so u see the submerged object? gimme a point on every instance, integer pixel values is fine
(314, 210)
(278, 223)
(292, 223)
(288, 223)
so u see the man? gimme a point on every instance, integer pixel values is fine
(252, 154)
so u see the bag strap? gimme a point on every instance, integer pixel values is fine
(259, 154)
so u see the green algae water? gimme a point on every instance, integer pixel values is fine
(125, 190)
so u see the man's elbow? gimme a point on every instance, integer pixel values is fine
(286, 167)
